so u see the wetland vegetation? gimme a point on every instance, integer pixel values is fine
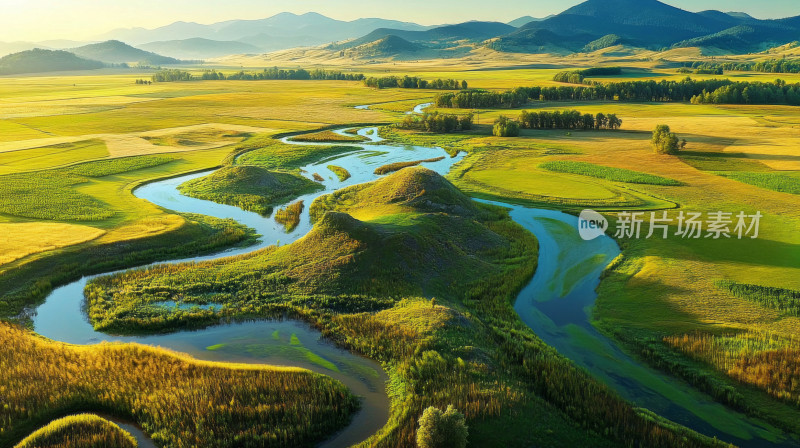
(407, 270)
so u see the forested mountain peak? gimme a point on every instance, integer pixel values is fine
(648, 23)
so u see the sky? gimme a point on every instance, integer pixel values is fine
(37, 20)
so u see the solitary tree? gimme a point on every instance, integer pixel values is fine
(666, 142)
(439, 429)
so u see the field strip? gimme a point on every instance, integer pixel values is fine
(121, 145)
(780, 154)
(18, 240)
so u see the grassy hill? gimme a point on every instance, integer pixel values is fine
(249, 187)
(411, 233)
(116, 52)
(388, 46)
(40, 61)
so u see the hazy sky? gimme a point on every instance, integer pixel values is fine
(35, 20)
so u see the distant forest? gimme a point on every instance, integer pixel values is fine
(405, 82)
(716, 91)
(412, 82)
(266, 74)
(771, 66)
(578, 76)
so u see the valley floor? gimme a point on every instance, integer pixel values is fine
(719, 314)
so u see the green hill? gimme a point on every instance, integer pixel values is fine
(116, 52)
(411, 233)
(606, 41)
(415, 189)
(40, 61)
(249, 187)
(385, 47)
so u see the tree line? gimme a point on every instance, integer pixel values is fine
(702, 70)
(413, 82)
(578, 76)
(439, 123)
(778, 92)
(275, 73)
(685, 90)
(473, 99)
(568, 119)
(770, 66)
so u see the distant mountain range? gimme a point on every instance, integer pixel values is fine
(590, 26)
(443, 35)
(651, 24)
(597, 24)
(285, 30)
(199, 48)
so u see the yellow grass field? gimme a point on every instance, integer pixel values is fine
(18, 240)
(58, 121)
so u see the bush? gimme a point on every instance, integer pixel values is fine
(666, 142)
(505, 127)
(439, 429)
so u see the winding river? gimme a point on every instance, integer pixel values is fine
(556, 305)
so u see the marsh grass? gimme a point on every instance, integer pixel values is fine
(289, 217)
(340, 172)
(79, 431)
(161, 392)
(760, 359)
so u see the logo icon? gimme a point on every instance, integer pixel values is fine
(591, 225)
